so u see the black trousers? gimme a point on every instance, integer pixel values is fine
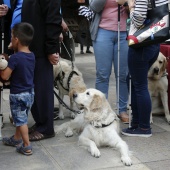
(43, 106)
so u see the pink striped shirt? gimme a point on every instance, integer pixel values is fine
(109, 18)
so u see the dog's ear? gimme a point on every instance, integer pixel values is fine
(165, 63)
(71, 92)
(96, 103)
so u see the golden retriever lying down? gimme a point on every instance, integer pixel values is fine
(68, 80)
(158, 87)
(99, 125)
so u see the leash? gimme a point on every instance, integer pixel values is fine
(64, 104)
(68, 54)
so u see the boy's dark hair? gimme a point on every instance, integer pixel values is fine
(24, 32)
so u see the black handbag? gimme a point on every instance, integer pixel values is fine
(154, 30)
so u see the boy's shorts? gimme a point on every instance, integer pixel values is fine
(20, 105)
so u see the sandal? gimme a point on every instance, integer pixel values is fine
(36, 136)
(27, 150)
(32, 129)
(10, 141)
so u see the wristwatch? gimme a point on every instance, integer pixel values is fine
(125, 4)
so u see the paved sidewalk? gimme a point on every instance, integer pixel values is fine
(60, 153)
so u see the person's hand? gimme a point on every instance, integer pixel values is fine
(121, 2)
(3, 10)
(131, 4)
(80, 1)
(64, 25)
(54, 58)
(61, 37)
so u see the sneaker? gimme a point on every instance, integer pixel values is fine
(137, 132)
(81, 52)
(88, 51)
(10, 141)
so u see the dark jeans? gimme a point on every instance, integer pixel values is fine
(139, 62)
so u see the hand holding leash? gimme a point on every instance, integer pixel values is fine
(54, 58)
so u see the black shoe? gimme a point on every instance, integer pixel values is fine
(81, 52)
(88, 51)
(56, 116)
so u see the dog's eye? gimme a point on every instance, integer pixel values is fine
(88, 93)
(160, 62)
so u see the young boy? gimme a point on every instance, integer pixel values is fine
(20, 69)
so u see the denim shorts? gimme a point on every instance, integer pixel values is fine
(20, 105)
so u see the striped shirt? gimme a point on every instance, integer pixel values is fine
(138, 16)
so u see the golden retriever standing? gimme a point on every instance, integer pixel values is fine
(99, 125)
(158, 87)
(68, 80)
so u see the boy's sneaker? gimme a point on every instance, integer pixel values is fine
(10, 141)
(137, 132)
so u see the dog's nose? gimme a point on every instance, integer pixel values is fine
(156, 70)
(74, 95)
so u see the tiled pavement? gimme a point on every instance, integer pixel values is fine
(60, 153)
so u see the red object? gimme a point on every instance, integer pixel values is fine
(165, 50)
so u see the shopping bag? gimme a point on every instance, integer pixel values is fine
(154, 30)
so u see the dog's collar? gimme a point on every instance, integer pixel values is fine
(60, 78)
(163, 75)
(70, 76)
(103, 125)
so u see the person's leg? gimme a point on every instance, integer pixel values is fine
(123, 72)
(81, 49)
(140, 61)
(103, 59)
(24, 133)
(88, 50)
(43, 106)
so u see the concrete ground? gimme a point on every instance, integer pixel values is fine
(61, 153)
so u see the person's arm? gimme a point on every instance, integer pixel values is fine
(53, 19)
(97, 5)
(64, 26)
(5, 74)
(138, 11)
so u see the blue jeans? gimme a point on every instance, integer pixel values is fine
(20, 105)
(106, 53)
(139, 62)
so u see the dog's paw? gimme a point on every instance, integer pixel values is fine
(126, 160)
(61, 116)
(57, 129)
(72, 115)
(168, 118)
(69, 133)
(94, 152)
(151, 121)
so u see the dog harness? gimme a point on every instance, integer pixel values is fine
(60, 78)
